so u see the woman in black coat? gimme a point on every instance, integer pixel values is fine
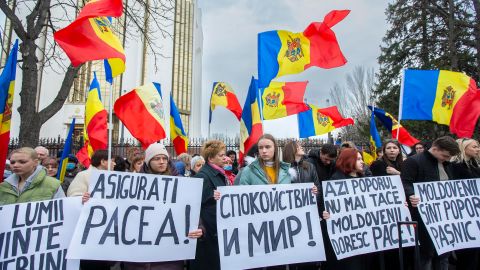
(465, 166)
(302, 171)
(390, 164)
(207, 255)
(349, 165)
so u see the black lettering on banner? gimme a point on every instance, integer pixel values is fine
(107, 232)
(89, 225)
(143, 224)
(228, 244)
(222, 199)
(452, 233)
(261, 236)
(173, 232)
(124, 226)
(99, 187)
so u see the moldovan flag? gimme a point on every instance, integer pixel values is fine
(177, 133)
(7, 86)
(282, 52)
(67, 149)
(141, 111)
(223, 95)
(95, 126)
(375, 141)
(90, 37)
(394, 127)
(281, 99)
(251, 128)
(317, 121)
(446, 97)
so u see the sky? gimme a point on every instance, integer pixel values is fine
(230, 29)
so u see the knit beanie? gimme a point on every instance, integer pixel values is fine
(153, 150)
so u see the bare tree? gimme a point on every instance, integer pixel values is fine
(33, 19)
(353, 98)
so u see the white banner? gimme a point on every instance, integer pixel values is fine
(36, 235)
(364, 214)
(138, 218)
(264, 225)
(451, 212)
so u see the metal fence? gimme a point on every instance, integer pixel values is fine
(55, 145)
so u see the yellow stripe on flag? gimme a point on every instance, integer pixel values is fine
(450, 88)
(152, 100)
(101, 26)
(294, 53)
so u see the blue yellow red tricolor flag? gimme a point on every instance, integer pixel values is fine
(281, 99)
(95, 126)
(375, 140)
(177, 133)
(67, 149)
(251, 128)
(142, 112)
(7, 87)
(283, 52)
(317, 121)
(446, 97)
(223, 95)
(90, 36)
(392, 125)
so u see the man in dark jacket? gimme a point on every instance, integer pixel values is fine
(324, 161)
(431, 165)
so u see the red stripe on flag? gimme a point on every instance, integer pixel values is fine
(81, 43)
(404, 137)
(466, 112)
(4, 140)
(325, 51)
(97, 131)
(180, 145)
(131, 110)
(293, 97)
(234, 105)
(102, 8)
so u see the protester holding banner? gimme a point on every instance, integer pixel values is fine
(157, 161)
(98, 161)
(349, 165)
(430, 165)
(303, 172)
(29, 181)
(389, 164)
(213, 174)
(465, 166)
(79, 187)
(267, 168)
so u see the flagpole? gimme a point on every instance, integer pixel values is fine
(400, 103)
(110, 127)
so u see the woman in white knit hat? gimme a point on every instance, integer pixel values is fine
(157, 161)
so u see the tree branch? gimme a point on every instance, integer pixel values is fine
(17, 24)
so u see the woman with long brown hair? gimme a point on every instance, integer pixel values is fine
(267, 168)
(391, 161)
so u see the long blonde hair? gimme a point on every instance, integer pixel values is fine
(462, 157)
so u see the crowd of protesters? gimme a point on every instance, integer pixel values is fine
(31, 176)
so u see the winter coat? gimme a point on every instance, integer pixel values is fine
(41, 187)
(422, 167)
(379, 167)
(460, 170)
(207, 255)
(419, 168)
(253, 174)
(169, 265)
(324, 172)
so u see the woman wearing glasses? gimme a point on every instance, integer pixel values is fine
(466, 165)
